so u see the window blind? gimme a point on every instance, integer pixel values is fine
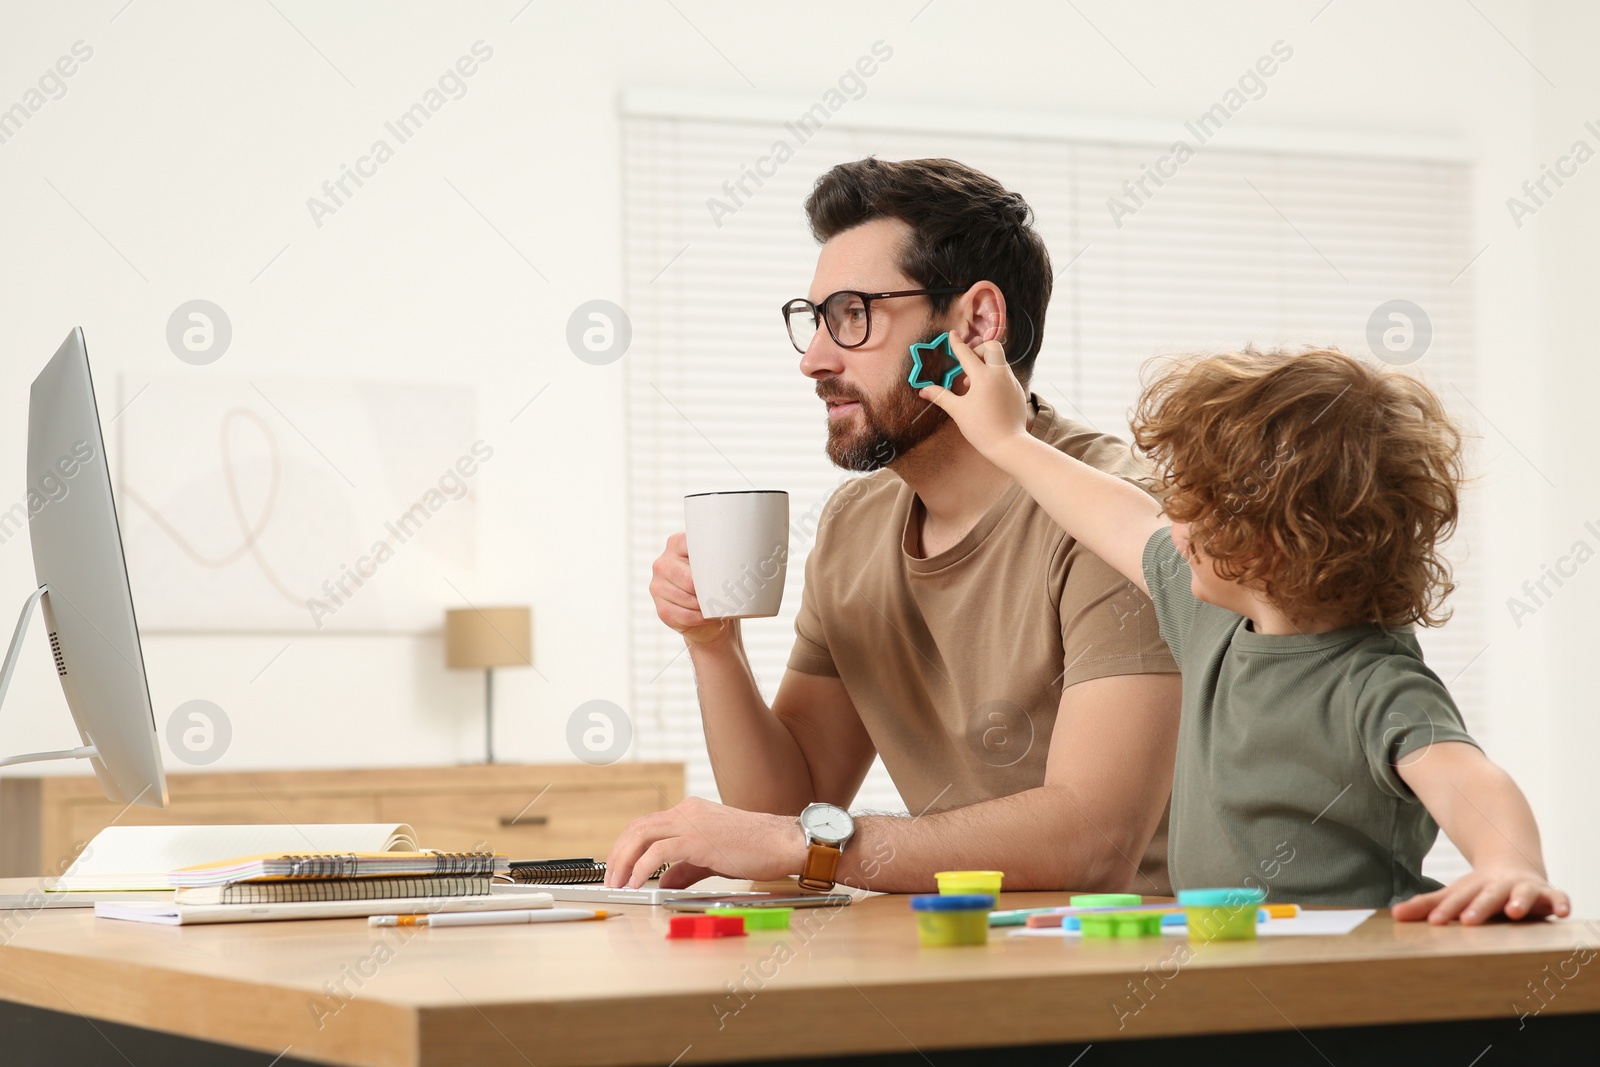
(1271, 246)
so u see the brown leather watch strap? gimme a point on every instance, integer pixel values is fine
(821, 862)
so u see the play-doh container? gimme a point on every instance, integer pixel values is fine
(1221, 914)
(981, 883)
(952, 918)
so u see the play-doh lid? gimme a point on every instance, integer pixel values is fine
(1220, 898)
(951, 902)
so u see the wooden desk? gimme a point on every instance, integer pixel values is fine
(618, 992)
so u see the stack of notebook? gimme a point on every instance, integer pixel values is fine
(337, 876)
(279, 872)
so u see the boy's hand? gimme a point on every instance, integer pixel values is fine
(994, 408)
(1516, 891)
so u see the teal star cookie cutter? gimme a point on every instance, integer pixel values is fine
(938, 344)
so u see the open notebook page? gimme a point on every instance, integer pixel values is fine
(141, 857)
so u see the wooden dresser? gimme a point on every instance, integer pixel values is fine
(528, 811)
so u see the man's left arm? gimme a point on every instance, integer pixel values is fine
(1107, 780)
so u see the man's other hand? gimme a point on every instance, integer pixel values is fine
(707, 839)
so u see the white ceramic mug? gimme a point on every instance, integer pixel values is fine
(738, 551)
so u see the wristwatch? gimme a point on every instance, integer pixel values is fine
(827, 828)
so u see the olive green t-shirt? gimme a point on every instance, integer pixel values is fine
(1285, 778)
(956, 662)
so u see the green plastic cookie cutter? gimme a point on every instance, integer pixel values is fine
(938, 344)
(758, 918)
(1121, 924)
(1105, 900)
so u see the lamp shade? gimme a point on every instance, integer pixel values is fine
(488, 637)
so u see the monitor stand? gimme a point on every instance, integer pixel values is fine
(82, 752)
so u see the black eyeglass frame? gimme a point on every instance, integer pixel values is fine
(792, 306)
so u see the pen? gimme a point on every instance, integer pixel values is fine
(1047, 917)
(489, 918)
(1016, 916)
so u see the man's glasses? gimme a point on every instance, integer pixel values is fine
(847, 313)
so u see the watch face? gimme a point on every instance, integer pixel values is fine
(825, 822)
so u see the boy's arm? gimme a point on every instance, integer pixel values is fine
(1485, 814)
(1108, 516)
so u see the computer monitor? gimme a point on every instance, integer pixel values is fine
(83, 586)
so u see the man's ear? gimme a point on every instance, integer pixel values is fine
(980, 315)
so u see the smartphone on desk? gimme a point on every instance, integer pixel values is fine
(760, 900)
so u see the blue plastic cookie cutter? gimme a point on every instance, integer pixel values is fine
(938, 344)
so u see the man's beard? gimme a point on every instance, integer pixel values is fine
(882, 430)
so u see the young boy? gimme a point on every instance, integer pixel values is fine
(1317, 755)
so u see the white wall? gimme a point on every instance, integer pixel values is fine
(193, 137)
(1557, 644)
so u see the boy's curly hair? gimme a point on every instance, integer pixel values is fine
(1326, 482)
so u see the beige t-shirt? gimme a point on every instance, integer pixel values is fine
(956, 663)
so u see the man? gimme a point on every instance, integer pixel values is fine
(1015, 686)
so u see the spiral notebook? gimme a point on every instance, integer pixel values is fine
(563, 872)
(558, 872)
(297, 866)
(299, 891)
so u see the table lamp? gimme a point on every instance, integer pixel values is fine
(487, 638)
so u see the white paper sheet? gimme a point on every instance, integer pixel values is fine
(1330, 922)
(1318, 923)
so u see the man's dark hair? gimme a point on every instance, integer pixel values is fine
(965, 228)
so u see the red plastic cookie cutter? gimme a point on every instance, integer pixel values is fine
(685, 926)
